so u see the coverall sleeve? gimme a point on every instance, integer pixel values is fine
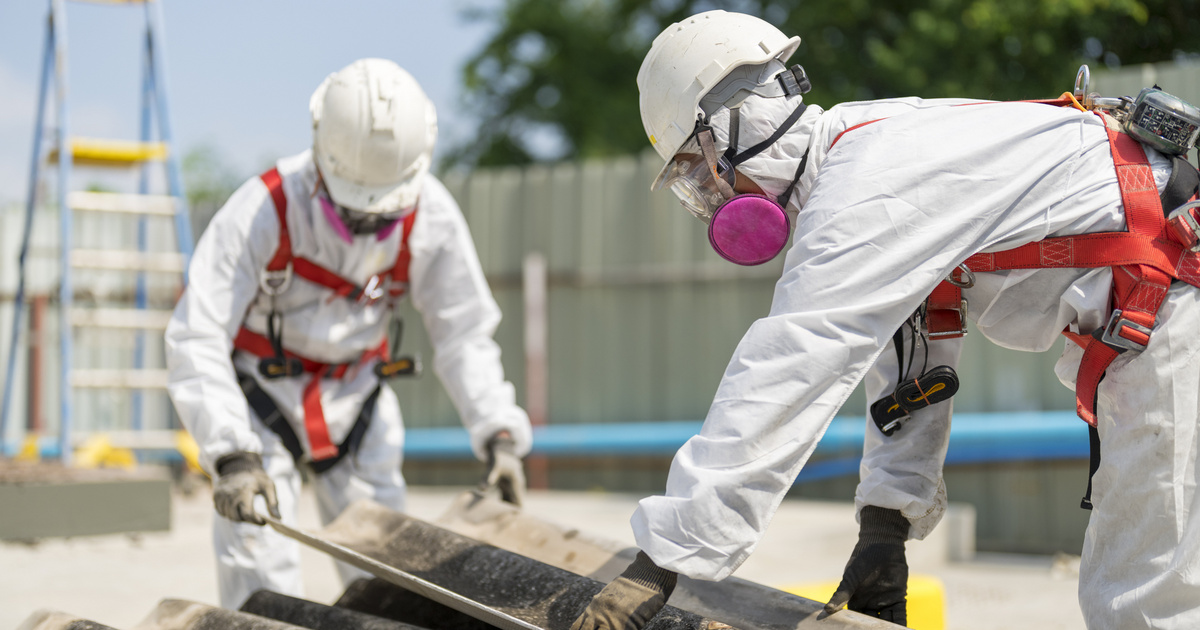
(903, 471)
(461, 316)
(222, 283)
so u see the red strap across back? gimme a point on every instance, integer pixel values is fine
(1144, 260)
(320, 446)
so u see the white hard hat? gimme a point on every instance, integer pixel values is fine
(689, 59)
(373, 136)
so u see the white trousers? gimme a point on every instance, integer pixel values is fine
(1141, 553)
(250, 557)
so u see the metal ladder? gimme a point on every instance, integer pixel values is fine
(68, 151)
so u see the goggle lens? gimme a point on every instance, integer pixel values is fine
(359, 222)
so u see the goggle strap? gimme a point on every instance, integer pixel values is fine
(762, 146)
(787, 193)
(705, 138)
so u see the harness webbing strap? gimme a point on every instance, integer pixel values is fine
(945, 314)
(1139, 289)
(283, 253)
(314, 414)
(266, 409)
(1144, 259)
(399, 271)
(316, 273)
(322, 449)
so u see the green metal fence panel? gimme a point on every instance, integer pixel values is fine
(643, 316)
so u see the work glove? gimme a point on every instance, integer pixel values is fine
(240, 476)
(875, 582)
(631, 600)
(504, 469)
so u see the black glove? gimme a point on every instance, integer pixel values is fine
(631, 600)
(504, 470)
(875, 582)
(240, 476)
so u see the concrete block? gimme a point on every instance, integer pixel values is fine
(83, 503)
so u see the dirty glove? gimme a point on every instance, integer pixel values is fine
(504, 469)
(875, 582)
(631, 600)
(240, 476)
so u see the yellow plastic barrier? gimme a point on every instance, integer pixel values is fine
(926, 599)
(30, 451)
(189, 450)
(98, 452)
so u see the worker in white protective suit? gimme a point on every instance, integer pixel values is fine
(883, 200)
(278, 348)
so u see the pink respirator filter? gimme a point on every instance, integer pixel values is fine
(749, 230)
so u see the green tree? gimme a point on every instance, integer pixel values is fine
(557, 79)
(208, 181)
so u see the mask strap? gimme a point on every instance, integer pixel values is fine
(705, 137)
(735, 127)
(762, 146)
(787, 193)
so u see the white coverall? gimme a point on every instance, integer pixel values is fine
(448, 289)
(882, 218)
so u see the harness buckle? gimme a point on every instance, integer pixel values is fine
(372, 292)
(953, 332)
(403, 366)
(275, 282)
(1114, 335)
(1184, 224)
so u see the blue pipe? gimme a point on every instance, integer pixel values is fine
(975, 438)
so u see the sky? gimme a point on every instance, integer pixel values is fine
(240, 72)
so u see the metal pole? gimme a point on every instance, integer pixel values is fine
(139, 345)
(65, 295)
(158, 65)
(31, 203)
(533, 273)
(37, 348)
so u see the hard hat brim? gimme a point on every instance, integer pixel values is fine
(375, 199)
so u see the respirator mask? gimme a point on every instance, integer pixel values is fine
(745, 229)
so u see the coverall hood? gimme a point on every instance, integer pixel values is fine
(774, 168)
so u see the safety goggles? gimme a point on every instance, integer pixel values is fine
(359, 222)
(697, 175)
(356, 221)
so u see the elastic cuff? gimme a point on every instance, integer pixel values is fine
(239, 461)
(878, 524)
(502, 441)
(643, 571)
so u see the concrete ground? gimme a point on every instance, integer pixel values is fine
(117, 580)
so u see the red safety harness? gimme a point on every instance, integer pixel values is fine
(1154, 250)
(277, 277)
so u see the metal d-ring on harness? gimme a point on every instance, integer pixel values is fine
(272, 284)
